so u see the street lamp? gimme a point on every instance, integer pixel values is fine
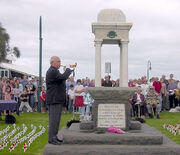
(148, 69)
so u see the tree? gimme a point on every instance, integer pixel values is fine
(4, 45)
(16, 52)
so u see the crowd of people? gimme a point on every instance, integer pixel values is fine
(77, 96)
(150, 98)
(22, 90)
(156, 96)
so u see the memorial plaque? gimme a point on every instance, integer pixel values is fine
(111, 115)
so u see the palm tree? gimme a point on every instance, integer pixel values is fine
(4, 45)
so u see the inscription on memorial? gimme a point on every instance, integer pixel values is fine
(111, 115)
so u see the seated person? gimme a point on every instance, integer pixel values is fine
(138, 104)
(153, 100)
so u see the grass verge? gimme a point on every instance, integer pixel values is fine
(167, 118)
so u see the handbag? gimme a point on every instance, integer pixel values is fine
(10, 119)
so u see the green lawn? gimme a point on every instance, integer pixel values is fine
(167, 118)
(37, 147)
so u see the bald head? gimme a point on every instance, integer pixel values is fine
(55, 62)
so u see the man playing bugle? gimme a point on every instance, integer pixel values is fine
(56, 91)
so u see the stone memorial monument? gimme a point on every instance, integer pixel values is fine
(111, 107)
(111, 28)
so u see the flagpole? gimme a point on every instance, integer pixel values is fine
(40, 64)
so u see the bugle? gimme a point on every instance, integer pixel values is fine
(73, 66)
(70, 66)
(63, 66)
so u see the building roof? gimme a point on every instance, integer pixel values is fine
(19, 69)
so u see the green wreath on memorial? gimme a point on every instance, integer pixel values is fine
(112, 34)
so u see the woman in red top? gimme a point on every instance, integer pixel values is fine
(157, 85)
(78, 90)
(131, 84)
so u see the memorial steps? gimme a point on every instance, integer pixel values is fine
(109, 150)
(72, 136)
(146, 141)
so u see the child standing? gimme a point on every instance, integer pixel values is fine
(43, 99)
(7, 95)
(88, 101)
(24, 101)
(71, 98)
(16, 92)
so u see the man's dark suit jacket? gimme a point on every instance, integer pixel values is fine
(56, 87)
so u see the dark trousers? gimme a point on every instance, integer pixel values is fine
(31, 100)
(173, 101)
(54, 120)
(67, 102)
(70, 105)
(1, 96)
(17, 99)
(163, 101)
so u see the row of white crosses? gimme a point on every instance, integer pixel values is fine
(19, 134)
(33, 138)
(19, 137)
(15, 141)
(4, 131)
(172, 128)
(4, 140)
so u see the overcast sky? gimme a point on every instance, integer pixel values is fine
(67, 32)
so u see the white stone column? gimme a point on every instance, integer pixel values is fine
(98, 63)
(124, 64)
(120, 72)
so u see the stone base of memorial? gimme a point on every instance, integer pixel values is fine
(146, 141)
(111, 107)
